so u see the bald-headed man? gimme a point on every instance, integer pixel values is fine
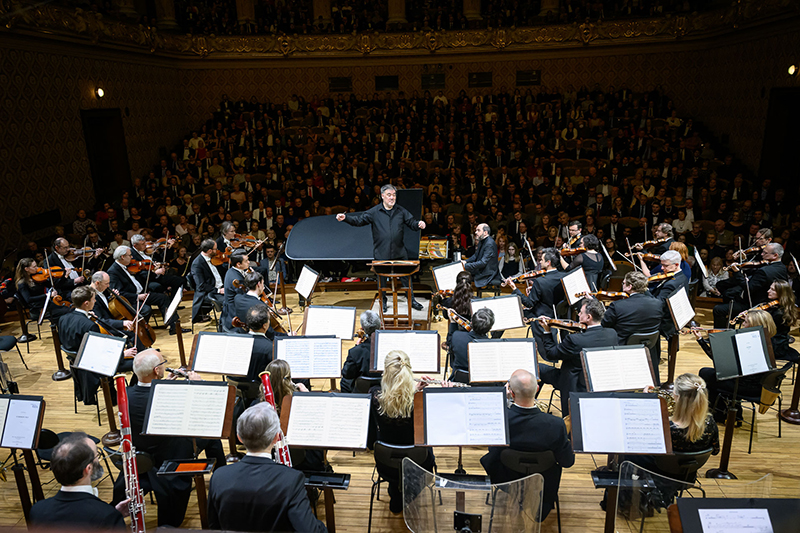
(531, 431)
(483, 264)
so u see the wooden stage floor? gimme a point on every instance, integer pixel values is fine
(580, 510)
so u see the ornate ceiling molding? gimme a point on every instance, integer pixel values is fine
(79, 25)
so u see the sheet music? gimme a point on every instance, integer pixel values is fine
(422, 348)
(3, 410)
(463, 418)
(324, 321)
(306, 282)
(496, 361)
(700, 262)
(735, 520)
(21, 421)
(100, 353)
(328, 421)
(575, 283)
(622, 425)
(445, 276)
(618, 370)
(682, 311)
(223, 354)
(311, 357)
(187, 410)
(173, 305)
(751, 354)
(507, 311)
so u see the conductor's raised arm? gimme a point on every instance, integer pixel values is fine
(340, 217)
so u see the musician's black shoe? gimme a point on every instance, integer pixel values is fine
(183, 330)
(416, 305)
(180, 307)
(202, 318)
(396, 505)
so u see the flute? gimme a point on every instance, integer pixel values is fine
(442, 382)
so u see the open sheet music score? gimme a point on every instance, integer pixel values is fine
(311, 357)
(174, 304)
(306, 282)
(324, 320)
(739, 515)
(328, 420)
(422, 348)
(735, 520)
(507, 311)
(681, 308)
(741, 352)
(189, 409)
(20, 421)
(494, 360)
(619, 368)
(465, 417)
(222, 353)
(445, 276)
(100, 353)
(575, 283)
(635, 423)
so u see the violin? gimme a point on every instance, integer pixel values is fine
(152, 247)
(646, 257)
(559, 323)
(525, 276)
(661, 276)
(220, 258)
(604, 295)
(647, 244)
(274, 323)
(361, 335)
(140, 266)
(79, 253)
(238, 284)
(59, 301)
(455, 317)
(746, 264)
(44, 274)
(754, 248)
(570, 242)
(567, 252)
(763, 307)
(246, 241)
(445, 293)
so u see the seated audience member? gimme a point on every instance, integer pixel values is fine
(392, 417)
(256, 493)
(357, 362)
(75, 465)
(531, 431)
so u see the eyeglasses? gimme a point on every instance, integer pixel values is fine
(161, 363)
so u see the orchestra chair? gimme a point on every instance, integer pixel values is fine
(9, 341)
(44, 452)
(650, 341)
(25, 311)
(529, 463)
(77, 382)
(364, 383)
(461, 376)
(683, 466)
(391, 456)
(691, 291)
(604, 279)
(247, 390)
(771, 383)
(491, 288)
(208, 305)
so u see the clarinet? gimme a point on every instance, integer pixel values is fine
(281, 448)
(129, 470)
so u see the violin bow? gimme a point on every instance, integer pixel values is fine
(630, 250)
(83, 259)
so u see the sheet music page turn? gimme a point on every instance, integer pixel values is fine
(320, 421)
(465, 418)
(22, 416)
(496, 361)
(422, 349)
(310, 357)
(618, 370)
(188, 410)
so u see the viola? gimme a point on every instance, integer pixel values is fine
(604, 295)
(59, 301)
(762, 307)
(754, 248)
(661, 276)
(526, 276)
(220, 258)
(445, 293)
(746, 264)
(246, 241)
(646, 257)
(571, 241)
(647, 244)
(559, 323)
(152, 247)
(567, 252)
(56, 272)
(455, 317)
(141, 266)
(238, 284)
(78, 253)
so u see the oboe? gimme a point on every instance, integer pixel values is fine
(129, 469)
(281, 448)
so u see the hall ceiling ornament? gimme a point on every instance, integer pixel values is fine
(17, 15)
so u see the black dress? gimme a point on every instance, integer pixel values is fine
(592, 267)
(780, 341)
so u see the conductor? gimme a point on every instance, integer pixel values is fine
(387, 221)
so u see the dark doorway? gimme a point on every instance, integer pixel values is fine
(108, 155)
(781, 138)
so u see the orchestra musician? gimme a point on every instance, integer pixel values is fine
(482, 321)
(570, 376)
(100, 283)
(253, 285)
(72, 275)
(32, 294)
(240, 264)
(392, 418)
(256, 493)
(75, 464)
(663, 235)
(591, 260)
(459, 302)
(387, 220)
(208, 283)
(357, 362)
(160, 280)
(750, 290)
(662, 286)
(762, 237)
(531, 430)
(483, 264)
(227, 233)
(786, 317)
(638, 313)
(257, 320)
(575, 228)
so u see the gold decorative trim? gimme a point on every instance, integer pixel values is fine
(80, 24)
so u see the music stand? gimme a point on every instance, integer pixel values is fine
(392, 271)
(680, 309)
(62, 373)
(173, 310)
(737, 354)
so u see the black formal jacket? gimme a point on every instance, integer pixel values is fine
(72, 327)
(64, 284)
(257, 494)
(545, 292)
(261, 356)
(228, 311)
(75, 510)
(569, 353)
(356, 364)
(121, 282)
(204, 281)
(639, 313)
(241, 303)
(760, 280)
(533, 431)
(663, 290)
(387, 229)
(483, 265)
(458, 346)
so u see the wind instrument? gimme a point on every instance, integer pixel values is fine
(129, 468)
(281, 448)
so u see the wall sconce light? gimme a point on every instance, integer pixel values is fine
(99, 92)
(792, 70)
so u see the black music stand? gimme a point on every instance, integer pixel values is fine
(392, 271)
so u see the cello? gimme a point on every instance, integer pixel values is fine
(121, 309)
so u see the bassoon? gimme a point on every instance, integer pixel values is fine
(281, 448)
(129, 469)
